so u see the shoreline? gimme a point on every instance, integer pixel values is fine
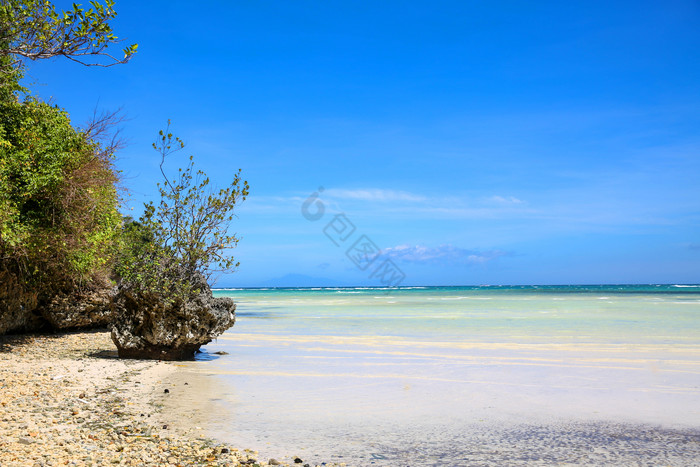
(66, 399)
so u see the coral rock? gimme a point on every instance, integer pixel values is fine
(146, 326)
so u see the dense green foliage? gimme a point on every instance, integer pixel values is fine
(184, 239)
(58, 201)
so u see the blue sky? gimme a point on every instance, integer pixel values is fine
(468, 142)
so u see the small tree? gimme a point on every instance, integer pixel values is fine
(184, 239)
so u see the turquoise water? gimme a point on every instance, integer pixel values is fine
(361, 372)
(644, 312)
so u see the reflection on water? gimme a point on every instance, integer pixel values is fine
(204, 356)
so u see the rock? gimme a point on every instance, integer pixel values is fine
(146, 326)
(25, 441)
(274, 462)
(16, 305)
(166, 391)
(30, 310)
(81, 309)
(298, 461)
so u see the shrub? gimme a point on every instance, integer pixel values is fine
(184, 240)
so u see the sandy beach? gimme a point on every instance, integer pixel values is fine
(65, 399)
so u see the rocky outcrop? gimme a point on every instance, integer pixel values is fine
(16, 305)
(24, 311)
(146, 326)
(81, 309)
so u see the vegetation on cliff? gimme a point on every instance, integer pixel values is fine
(58, 203)
(61, 233)
(59, 222)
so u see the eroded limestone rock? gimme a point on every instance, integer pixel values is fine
(16, 305)
(81, 309)
(146, 326)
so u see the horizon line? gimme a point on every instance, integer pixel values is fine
(464, 285)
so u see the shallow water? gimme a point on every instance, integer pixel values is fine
(367, 374)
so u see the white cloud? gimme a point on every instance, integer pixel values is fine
(506, 200)
(389, 203)
(373, 194)
(441, 254)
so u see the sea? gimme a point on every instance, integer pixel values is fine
(454, 375)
